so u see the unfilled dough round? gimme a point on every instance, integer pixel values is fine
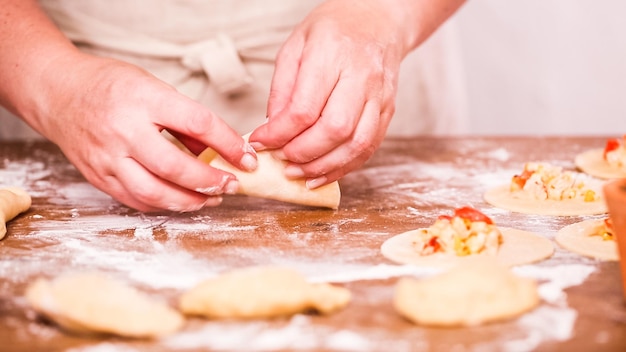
(474, 293)
(578, 239)
(261, 292)
(592, 162)
(91, 303)
(502, 198)
(518, 247)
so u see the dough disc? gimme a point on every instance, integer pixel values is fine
(576, 238)
(518, 247)
(593, 163)
(501, 197)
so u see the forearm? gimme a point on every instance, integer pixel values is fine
(30, 43)
(420, 18)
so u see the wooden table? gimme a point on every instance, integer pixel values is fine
(73, 227)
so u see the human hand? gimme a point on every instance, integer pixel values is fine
(333, 91)
(106, 116)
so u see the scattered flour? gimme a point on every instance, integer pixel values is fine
(161, 263)
(299, 333)
(546, 323)
(499, 154)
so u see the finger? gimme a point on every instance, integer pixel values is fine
(309, 96)
(367, 137)
(189, 118)
(338, 122)
(113, 187)
(109, 183)
(106, 181)
(147, 189)
(166, 161)
(285, 73)
(335, 175)
(191, 144)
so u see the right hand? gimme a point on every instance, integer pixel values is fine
(107, 117)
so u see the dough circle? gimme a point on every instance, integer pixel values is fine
(501, 197)
(91, 303)
(577, 238)
(592, 162)
(471, 294)
(518, 247)
(261, 292)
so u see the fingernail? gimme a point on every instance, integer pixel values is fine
(210, 191)
(258, 146)
(231, 187)
(279, 154)
(313, 183)
(249, 162)
(213, 201)
(187, 209)
(249, 149)
(292, 171)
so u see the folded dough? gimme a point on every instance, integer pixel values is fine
(261, 292)
(474, 293)
(91, 303)
(13, 201)
(269, 181)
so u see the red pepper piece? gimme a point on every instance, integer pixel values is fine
(520, 180)
(434, 244)
(471, 214)
(611, 145)
(444, 217)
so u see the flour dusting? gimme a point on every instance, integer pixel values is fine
(557, 278)
(298, 334)
(104, 347)
(376, 272)
(544, 324)
(157, 252)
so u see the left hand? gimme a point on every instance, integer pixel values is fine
(333, 91)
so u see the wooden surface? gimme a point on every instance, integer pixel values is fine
(71, 226)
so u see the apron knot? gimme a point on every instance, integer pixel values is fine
(219, 59)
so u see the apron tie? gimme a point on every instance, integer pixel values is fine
(219, 59)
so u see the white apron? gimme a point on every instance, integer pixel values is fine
(221, 53)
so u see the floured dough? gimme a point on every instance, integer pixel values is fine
(578, 239)
(269, 181)
(593, 163)
(501, 197)
(261, 292)
(91, 303)
(477, 292)
(13, 201)
(518, 247)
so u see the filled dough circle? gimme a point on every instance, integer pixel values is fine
(518, 247)
(474, 293)
(501, 197)
(593, 163)
(578, 238)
